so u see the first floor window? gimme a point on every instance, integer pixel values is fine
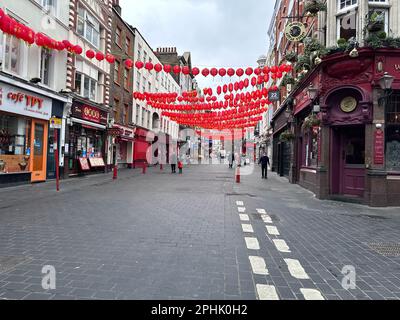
(86, 86)
(347, 26)
(45, 66)
(13, 54)
(346, 3)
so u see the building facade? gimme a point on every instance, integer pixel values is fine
(89, 147)
(151, 127)
(342, 117)
(31, 79)
(122, 89)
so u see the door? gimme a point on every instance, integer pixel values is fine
(39, 150)
(352, 164)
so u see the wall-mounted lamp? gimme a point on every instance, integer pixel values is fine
(385, 83)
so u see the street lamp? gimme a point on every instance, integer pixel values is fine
(385, 83)
(313, 94)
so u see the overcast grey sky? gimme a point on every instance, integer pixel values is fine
(219, 33)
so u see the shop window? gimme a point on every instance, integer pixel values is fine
(13, 54)
(45, 65)
(393, 133)
(15, 142)
(88, 27)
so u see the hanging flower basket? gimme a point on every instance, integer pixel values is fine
(286, 136)
(376, 22)
(314, 6)
(291, 57)
(311, 121)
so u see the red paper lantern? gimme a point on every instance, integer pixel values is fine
(60, 46)
(90, 54)
(254, 81)
(99, 56)
(158, 67)
(274, 69)
(225, 88)
(76, 49)
(257, 71)
(167, 68)
(231, 72)
(239, 72)
(249, 71)
(222, 72)
(279, 75)
(214, 72)
(266, 77)
(110, 58)
(205, 72)
(195, 72)
(186, 70)
(139, 65)
(219, 90)
(149, 66)
(129, 63)
(246, 83)
(177, 69)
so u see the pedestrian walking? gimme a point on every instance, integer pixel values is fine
(180, 166)
(264, 161)
(231, 160)
(173, 160)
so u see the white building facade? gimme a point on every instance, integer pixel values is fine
(36, 75)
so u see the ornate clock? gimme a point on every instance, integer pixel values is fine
(348, 104)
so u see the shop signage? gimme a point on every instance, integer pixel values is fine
(55, 123)
(379, 147)
(89, 113)
(84, 164)
(295, 31)
(16, 100)
(96, 162)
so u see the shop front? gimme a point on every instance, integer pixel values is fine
(282, 142)
(24, 118)
(86, 148)
(142, 146)
(124, 145)
(347, 128)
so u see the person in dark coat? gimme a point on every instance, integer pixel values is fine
(264, 161)
(173, 160)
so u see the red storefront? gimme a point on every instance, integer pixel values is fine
(142, 147)
(124, 143)
(347, 148)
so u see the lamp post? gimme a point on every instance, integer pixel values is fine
(385, 83)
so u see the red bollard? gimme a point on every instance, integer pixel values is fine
(115, 174)
(144, 168)
(238, 175)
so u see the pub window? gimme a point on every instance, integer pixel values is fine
(310, 147)
(347, 26)
(393, 132)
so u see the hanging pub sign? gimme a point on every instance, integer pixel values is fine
(295, 31)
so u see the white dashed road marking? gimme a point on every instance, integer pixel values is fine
(312, 294)
(258, 265)
(273, 231)
(244, 217)
(296, 270)
(240, 203)
(266, 218)
(247, 228)
(265, 292)
(281, 245)
(252, 243)
(261, 211)
(242, 209)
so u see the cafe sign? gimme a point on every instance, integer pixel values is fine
(19, 101)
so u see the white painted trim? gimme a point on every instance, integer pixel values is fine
(34, 89)
(88, 123)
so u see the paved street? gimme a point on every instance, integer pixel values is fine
(193, 236)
